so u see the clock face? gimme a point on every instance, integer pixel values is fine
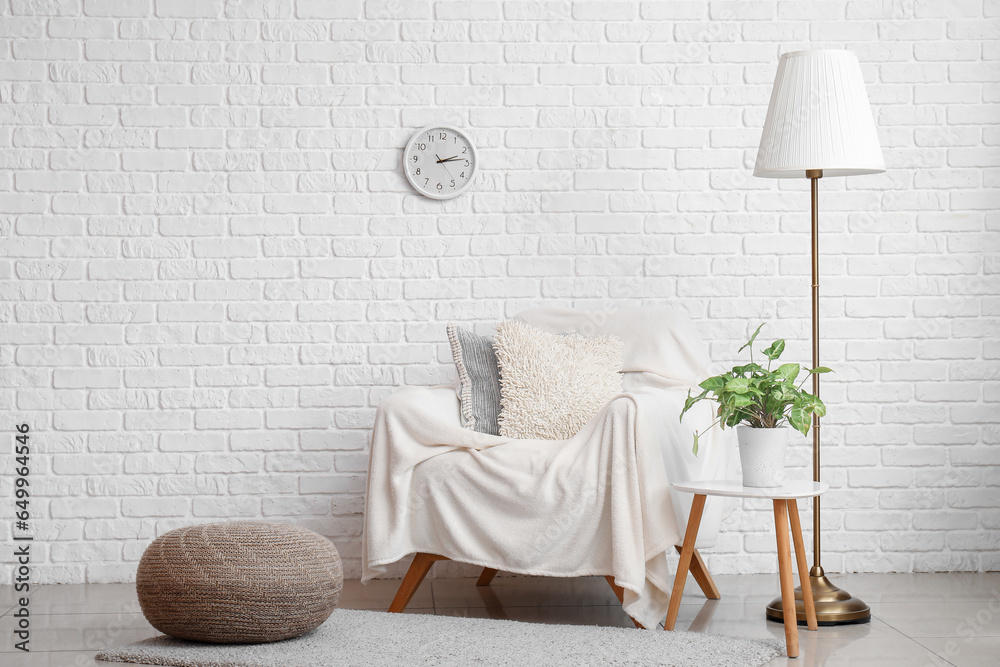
(439, 162)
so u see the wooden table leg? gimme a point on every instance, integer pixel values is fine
(800, 557)
(701, 575)
(787, 585)
(687, 551)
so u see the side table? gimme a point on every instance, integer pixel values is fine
(785, 511)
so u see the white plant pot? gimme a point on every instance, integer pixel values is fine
(762, 455)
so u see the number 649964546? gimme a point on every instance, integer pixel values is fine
(21, 470)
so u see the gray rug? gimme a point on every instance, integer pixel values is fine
(352, 638)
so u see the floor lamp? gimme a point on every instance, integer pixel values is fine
(819, 123)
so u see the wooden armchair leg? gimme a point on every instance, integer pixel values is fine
(419, 568)
(620, 594)
(487, 576)
(701, 575)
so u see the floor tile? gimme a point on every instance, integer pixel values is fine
(748, 620)
(965, 651)
(544, 591)
(737, 589)
(862, 652)
(8, 595)
(9, 598)
(941, 619)
(523, 592)
(77, 632)
(85, 598)
(578, 615)
(931, 587)
(378, 594)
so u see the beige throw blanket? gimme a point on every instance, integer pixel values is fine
(597, 504)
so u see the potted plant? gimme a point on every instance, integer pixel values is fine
(761, 403)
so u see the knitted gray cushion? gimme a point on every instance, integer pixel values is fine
(479, 379)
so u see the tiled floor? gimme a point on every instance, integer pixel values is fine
(919, 619)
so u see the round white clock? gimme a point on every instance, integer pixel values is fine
(439, 162)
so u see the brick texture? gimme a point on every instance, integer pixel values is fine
(212, 269)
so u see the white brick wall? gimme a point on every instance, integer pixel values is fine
(212, 270)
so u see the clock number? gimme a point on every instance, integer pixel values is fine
(465, 150)
(430, 137)
(415, 158)
(439, 186)
(417, 172)
(466, 163)
(462, 175)
(452, 183)
(422, 147)
(426, 181)
(443, 136)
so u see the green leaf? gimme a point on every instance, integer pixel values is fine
(752, 338)
(788, 371)
(691, 400)
(695, 448)
(820, 369)
(799, 419)
(773, 352)
(818, 407)
(725, 412)
(740, 400)
(738, 385)
(713, 384)
(783, 396)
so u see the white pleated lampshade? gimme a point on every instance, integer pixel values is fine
(819, 118)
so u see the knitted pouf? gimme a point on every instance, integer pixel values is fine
(239, 583)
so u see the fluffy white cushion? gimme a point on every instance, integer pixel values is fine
(551, 385)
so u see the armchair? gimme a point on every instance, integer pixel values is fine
(596, 504)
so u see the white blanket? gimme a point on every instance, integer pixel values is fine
(596, 504)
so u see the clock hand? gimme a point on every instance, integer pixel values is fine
(447, 159)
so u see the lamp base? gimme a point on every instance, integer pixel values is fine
(833, 605)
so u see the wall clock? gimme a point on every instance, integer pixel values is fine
(439, 161)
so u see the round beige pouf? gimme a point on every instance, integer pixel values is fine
(239, 583)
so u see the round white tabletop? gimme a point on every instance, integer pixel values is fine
(787, 491)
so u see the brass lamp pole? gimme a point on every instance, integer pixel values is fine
(814, 175)
(833, 605)
(819, 123)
